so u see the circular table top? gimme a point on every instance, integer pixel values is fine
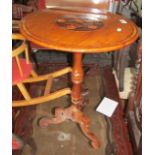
(45, 29)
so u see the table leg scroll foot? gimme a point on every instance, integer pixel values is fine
(74, 114)
(44, 122)
(94, 141)
(84, 123)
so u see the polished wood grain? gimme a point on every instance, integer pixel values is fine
(40, 27)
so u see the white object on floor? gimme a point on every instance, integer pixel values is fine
(107, 107)
(128, 80)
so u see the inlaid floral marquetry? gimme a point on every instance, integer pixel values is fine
(80, 23)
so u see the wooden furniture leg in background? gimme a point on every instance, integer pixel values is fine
(33, 55)
(121, 60)
(74, 112)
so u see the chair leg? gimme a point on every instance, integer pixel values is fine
(34, 74)
(23, 91)
(120, 62)
(48, 85)
(69, 59)
(123, 63)
(32, 55)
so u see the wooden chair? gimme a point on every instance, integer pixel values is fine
(22, 73)
(21, 67)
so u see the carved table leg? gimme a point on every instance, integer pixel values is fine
(73, 112)
(77, 78)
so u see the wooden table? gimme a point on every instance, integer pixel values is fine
(61, 31)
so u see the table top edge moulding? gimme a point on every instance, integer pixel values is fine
(117, 32)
